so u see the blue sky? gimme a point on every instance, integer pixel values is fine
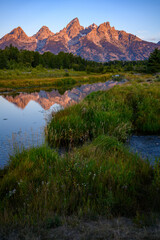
(139, 17)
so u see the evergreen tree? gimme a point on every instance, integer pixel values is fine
(3, 60)
(154, 61)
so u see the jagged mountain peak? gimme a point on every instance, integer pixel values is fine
(92, 26)
(18, 33)
(43, 33)
(107, 24)
(75, 21)
(104, 26)
(73, 28)
(18, 29)
(99, 43)
(18, 38)
(44, 28)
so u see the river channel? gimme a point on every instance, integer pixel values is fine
(24, 116)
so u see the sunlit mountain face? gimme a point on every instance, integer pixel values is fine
(99, 43)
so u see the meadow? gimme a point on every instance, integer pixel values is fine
(36, 79)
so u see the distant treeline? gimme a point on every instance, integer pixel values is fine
(12, 58)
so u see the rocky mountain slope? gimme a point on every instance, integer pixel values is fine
(99, 43)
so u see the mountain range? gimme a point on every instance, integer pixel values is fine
(99, 43)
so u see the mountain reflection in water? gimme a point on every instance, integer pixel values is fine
(23, 117)
(47, 99)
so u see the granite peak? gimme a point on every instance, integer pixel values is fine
(99, 43)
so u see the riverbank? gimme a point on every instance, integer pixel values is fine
(99, 178)
(12, 81)
(34, 80)
(124, 109)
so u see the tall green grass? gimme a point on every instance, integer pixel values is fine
(30, 73)
(117, 112)
(102, 177)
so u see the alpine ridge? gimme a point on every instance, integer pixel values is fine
(99, 43)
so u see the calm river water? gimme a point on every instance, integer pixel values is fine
(23, 118)
(21, 127)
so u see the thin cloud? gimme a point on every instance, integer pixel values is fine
(148, 36)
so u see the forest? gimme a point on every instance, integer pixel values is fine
(12, 58)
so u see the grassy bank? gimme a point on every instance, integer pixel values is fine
(37, 73)
(41, 190)
(46, 79)
(34, 79)
(100, 177)
(117, 112)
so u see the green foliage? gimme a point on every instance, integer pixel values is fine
(102, 177)
(125, 66)
(3, 60)
(12, 58)
(116, 112)
(154, 61)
